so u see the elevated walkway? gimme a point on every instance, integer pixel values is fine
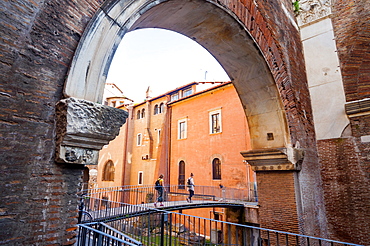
(141, 223)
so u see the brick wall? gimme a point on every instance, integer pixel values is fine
(276, 198)
(38, 197)
(271, 26)
(346, 189)
(345, 161)
(38, 40)
(351, 27)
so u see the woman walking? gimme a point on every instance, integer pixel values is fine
(190, 185)
(159, 187)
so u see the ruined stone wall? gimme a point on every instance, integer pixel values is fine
(38, 202)
(38, 39)
(277, 19)
(345, 161)
(351, 27)
(346, 186)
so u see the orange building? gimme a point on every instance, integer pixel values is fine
(207, 134)
(179, 132)
(110, 169)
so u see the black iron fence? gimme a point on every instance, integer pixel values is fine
(151, 226)
(101, 234)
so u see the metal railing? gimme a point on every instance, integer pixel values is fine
(173, 195)
(101, 234)
(152, 226)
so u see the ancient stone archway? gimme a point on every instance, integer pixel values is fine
(262, 69)
(208, 24)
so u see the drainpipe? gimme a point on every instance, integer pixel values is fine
(169, 120)
(148, 121)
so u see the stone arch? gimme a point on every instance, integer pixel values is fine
(268, 80)
(212, 25)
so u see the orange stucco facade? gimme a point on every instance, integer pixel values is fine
(149, 144)
(200, 147)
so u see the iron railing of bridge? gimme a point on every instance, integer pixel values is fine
(174, 194)
(151, 226)
(101, 234)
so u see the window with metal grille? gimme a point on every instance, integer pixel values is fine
(216, 168)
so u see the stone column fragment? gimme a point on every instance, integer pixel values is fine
(83, 128)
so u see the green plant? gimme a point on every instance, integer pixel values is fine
(296, 6)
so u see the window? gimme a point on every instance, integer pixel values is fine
(161, 108)
(182, 131)
(159, 135)
(181, 175)
(108, 171)
(156, 110)
(138, 139)
(140, 178)
(143, 113)
(187, 92)
(215, 121)
(138, 114)
(216, 168)
(174, 97)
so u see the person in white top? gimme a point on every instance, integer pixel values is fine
(190, 185)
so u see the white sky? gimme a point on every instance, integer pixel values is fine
(160, 59)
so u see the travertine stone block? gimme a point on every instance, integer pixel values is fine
(282, 159)
(83, 128)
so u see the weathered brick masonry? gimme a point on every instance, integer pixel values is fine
(346, 187)
(279, 205)
(345, 161)
(38, 201)
(38, 197)
(38, 42)
(269, 23)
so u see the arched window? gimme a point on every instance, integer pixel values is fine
(138, 114)
(216, 168)
(108, 171)
(143, 113)
(156, 109)
(161, 108)
(181, 175)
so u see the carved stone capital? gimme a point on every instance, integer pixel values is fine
(83, 128)
(282, 159)
(313, 10)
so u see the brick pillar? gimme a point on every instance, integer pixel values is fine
(276, 171)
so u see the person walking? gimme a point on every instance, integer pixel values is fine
(160, 189)
(190, 185)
